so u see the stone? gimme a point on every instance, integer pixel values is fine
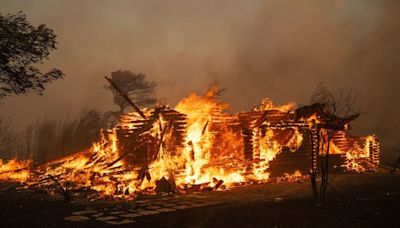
(153, 207)
(120, 222)
(117, 212)
(168, 205)
(84, 212)
(146, 212)
(161, 210)
(131, 215)
(182, 207)
(106, 218)
(76, 218)
(97, 215)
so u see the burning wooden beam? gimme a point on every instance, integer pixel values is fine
(198, 146)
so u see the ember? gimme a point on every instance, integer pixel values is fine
(197, 145)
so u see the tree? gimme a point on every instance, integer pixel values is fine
(8, 140)
(337, 112)
(135, 86)
(396, 165)
(21, 46)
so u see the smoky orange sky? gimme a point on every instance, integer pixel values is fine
(281, 49)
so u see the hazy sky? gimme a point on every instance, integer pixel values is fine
(280, 49)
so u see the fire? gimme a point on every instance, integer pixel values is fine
(292, 177)
(90, 169)
(268, 104)
(14, 170)
(355, 152)
(312, 119)
(195, 144)
(197, 153)
(358, 154)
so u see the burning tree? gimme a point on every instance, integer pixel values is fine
(336, 112)
(135, 86)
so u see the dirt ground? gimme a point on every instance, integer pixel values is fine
(353, 200)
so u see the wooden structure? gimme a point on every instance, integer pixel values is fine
(249, 128)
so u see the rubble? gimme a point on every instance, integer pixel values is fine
(197, 146)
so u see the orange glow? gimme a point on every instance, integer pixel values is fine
(268, 104)
(211, 152)
(14, 170)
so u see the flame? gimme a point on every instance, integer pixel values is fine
(14, 170)
(292, 177)
(312, 119)
(358, 154)
(355, 153)
(197, 153)
(211, 154)
(90, 169)
(268, 104)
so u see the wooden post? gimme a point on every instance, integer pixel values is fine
(123, 94)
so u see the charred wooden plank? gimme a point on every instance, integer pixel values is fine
(123, 94)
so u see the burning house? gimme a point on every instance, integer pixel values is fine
(198, 145)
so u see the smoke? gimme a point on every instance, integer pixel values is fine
(280, 49)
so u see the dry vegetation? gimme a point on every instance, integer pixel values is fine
(49, 139)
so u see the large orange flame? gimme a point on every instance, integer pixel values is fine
(212, 153)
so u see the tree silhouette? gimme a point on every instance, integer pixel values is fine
(21, 46)
(337, 111)
(135, 86)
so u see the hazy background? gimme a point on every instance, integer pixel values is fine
(280, 49)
